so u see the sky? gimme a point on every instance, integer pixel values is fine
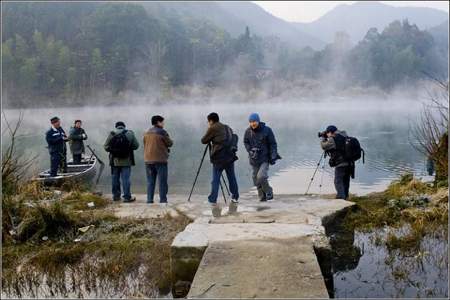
(307, 11)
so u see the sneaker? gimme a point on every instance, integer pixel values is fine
(132, 199)
(116, 199)
(216, 210)
(232, 208)
(269, 197)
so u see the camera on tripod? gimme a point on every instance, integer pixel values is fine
(322, 134)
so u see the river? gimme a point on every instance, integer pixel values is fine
(382, 126)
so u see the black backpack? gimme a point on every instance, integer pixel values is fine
(227, 154)
(232, 141)
(353, 150)
(119, 145)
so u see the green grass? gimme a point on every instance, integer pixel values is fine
(124, 256)
(392, 209)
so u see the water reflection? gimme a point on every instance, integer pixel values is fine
(383, 274)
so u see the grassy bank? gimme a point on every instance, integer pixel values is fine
(416, 207)
(70, 244)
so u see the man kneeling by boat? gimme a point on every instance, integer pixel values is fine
(120, 144)
(56, 140)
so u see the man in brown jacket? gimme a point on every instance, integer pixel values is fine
(156, 152)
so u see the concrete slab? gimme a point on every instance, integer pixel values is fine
(265, 250)
(198, 233)
(259, 269)
(279, 233)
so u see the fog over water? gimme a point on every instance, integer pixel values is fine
(382, 126)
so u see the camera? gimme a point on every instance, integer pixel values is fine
(322, 134)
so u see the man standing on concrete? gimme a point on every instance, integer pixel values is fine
(333, 143)
(120, 144)
(77, 135)
(156, 152)
(56, 140)
(261, 146)
(222, 156)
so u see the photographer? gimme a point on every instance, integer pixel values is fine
(223, 156)
(333, 143)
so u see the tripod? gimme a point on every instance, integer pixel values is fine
(198, 172)
(315, 171)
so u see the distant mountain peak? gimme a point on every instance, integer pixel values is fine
(357, 18)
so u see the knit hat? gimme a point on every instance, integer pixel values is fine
(120, 124)
(331, 129)
(254, 117)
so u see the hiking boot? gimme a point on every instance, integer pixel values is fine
(116, 199)
(216, 210)
(132, 199)
(232, 208)
(269, 197)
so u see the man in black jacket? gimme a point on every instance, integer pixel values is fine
(56, 140)
(77, 135)
(261, 146)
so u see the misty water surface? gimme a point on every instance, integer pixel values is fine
(383, 128)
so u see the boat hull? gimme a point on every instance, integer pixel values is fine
(83, 174)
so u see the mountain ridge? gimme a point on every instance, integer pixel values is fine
(356, 19)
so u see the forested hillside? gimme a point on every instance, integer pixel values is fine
(60, 52)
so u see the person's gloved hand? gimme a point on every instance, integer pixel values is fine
(272, 161)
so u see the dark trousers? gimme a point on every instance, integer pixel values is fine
(76, 158)
(153, 171)
(215, 183)
(342, 181)
(121, 174)
(260, 178)
(57, 161)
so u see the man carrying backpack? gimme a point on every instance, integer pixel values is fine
(343, 151)
(222, 156)
(262, 149)
(120, 144)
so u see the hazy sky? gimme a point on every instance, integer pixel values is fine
(307, 11)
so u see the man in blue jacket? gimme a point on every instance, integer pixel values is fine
(56, 140)
(261, 146)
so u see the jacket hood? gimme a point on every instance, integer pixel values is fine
(156, 129)
(342, 132)
(119, 129)
(260, 126)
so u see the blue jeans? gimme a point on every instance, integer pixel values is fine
(153, 171)
(215, 183)
(121, 174)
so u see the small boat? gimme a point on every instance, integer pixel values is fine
(82, 173)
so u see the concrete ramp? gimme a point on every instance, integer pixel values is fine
(266, 250)
(269, 268)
